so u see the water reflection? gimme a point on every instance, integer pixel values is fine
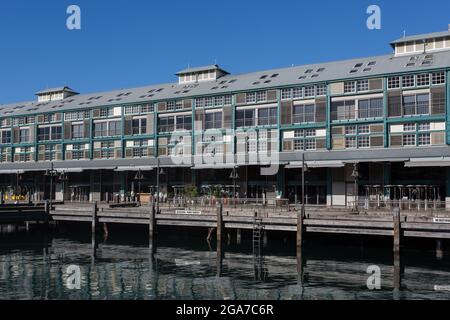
(37, 269)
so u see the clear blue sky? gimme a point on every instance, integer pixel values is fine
(128, 43)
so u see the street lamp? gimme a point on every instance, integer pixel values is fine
(159, 172)
(139, 177)
(355, 176)
(235, 176)
(51, 173)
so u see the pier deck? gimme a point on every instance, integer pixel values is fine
(317, 220)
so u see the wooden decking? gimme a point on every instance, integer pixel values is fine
(12, 214)
(412, 224)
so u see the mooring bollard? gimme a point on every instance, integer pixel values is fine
(397, 230)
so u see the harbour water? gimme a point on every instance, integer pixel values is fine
(185, 266)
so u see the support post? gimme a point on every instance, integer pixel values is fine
(397, 230)
(219, 239)
(265, 239)
(397, 275)
(300, 229)
(47, 209)
(94, 218)
(300, 269)
(238, 236)
(439, 250)
(219, 222)
(152, 226)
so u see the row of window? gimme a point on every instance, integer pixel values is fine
(217, 101)
(356, 86)
(304, 92)
(347, 110)
(253, 117)
(419, 80)
(139, 109)
(170, 124)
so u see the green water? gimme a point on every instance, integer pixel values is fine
(187, 267)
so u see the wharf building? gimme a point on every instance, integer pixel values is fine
(372, 129)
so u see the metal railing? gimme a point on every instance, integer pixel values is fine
(404, 204)
(232, 206)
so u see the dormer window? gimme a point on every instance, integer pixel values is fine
(55, 94)
(421, 44)
(201, 74)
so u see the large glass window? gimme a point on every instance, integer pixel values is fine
(101, 129)
(416, 104)
(115, 128)
(213, 120)
(49, 133)
(184, 123)
(166, 124)
(77, 131)
(304, 113)
(6, 137)
(24, 135)
(267, 116)
(245, 118)
(370, 108)
(343, 110)
(139, 126)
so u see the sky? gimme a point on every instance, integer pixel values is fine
(132, 43)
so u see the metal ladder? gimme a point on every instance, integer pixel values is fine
(258, 230)
(258, 260)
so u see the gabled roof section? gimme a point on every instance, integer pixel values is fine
(54, 90)
(421, 37)
(213, 67)
(230, 84)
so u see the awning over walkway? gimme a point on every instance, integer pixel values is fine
(133, 168)
(316, 164)
(217, 166)
(69, 170)
(428, 162)
(12, 171)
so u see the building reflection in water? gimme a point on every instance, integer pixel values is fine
(115, 271)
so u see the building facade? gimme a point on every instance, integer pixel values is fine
(374, 127)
